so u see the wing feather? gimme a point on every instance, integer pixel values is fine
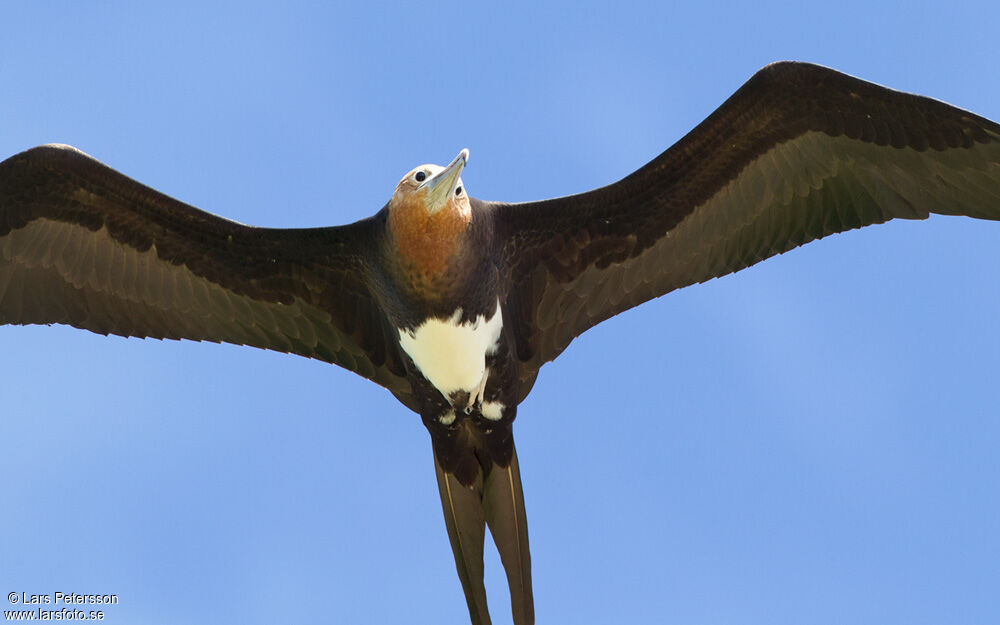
(796, 154)
(81, 244)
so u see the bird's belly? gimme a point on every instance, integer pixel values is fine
(450, 354)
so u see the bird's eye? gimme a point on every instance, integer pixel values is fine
(420, 176)
(458, 192)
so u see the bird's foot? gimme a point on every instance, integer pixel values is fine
(476, 396)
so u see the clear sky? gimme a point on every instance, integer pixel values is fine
(814, 440)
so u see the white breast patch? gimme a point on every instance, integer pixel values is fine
(452, 355)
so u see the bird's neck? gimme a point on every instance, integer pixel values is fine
(425, 242)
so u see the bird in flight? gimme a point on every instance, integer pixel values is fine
(452, 303)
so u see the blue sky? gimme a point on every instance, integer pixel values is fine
(813, 440)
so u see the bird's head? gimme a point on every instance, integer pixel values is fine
(433, 188)
(428, 214)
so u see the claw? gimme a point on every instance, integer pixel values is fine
(476, 397)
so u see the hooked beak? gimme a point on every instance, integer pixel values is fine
(442, 186)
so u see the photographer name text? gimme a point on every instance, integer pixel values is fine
(62, 598)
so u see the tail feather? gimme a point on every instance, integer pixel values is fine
(466, 522)
(503, 503)
(497, 499)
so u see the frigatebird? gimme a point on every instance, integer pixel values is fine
(452, 303)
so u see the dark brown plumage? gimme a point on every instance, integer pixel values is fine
(135, 262)
(798, 153)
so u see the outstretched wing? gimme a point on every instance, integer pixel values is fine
(83, 245)
(798, 153)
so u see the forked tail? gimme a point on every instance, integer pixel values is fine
(494, 498)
